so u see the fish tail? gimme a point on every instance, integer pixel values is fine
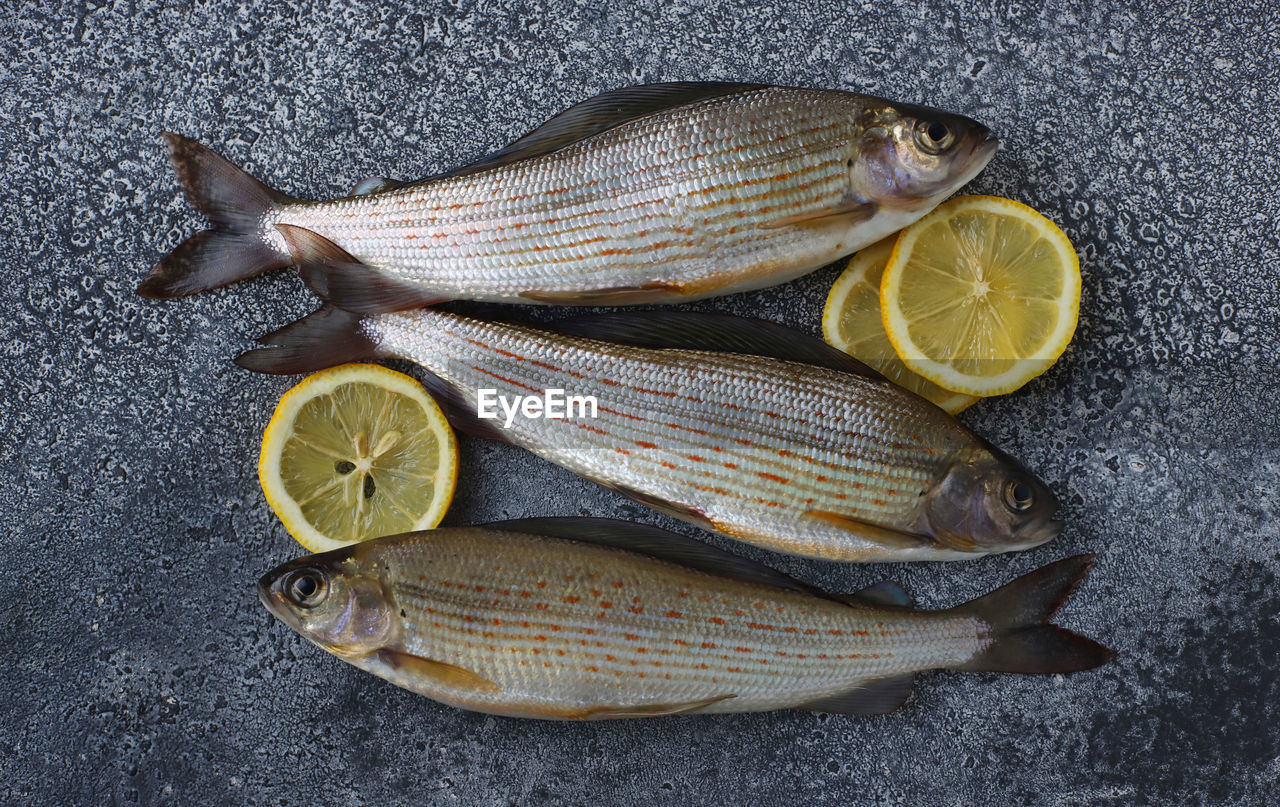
(236, 205)
(325, 338)
(1023, 639)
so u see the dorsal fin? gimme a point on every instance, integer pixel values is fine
(724, 333)
(599, 114)
(656, 543)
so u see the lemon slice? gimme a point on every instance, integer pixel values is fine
(356, 452)
(851, 322)
(981, 295)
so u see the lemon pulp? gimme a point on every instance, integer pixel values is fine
(356, 452)
(851, 321)
(981, 295)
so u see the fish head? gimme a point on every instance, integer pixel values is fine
(333, 600)
(912, 157)
(986, 502)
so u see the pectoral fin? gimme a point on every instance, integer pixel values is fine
(653, 709)
(438, 672)
(874, 533)
(853, 210)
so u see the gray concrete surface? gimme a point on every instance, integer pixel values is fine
(139, 666)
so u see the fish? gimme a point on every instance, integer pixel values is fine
(661, 193)
(737, 425)
(591, 619)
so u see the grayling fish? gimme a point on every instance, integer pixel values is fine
(660, 193)
(750, 429)
(582, 619)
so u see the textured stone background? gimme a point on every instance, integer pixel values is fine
(139, 666)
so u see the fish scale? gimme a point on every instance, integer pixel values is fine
(560, 617)
(659, 193)
(584, 618)
(653, 200)
(752, 444)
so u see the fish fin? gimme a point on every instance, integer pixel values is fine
(878, 697)
(886, 537)
(599, 114)
(852, 210)
(324, 338)
(657, 543)
(235, 204)
(653, 709)
(342, 280)
(460, 414)
(1022, 638)
(683, 512)
(725, 333)
(443, 673)
(651, 292)
(370, 185)
(885, 594)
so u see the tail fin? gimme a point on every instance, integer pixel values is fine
(325, 338)
(235, 204)
(1023, 639)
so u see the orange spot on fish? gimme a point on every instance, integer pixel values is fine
(674, 615)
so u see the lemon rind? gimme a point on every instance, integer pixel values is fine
(279, 429)
(1024, 369)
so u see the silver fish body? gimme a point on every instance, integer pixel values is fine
(564, 622)
(787, 455)
(695, 190)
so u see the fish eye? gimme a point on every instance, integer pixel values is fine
(306, 588)
(934, 137)
(1018, 496)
